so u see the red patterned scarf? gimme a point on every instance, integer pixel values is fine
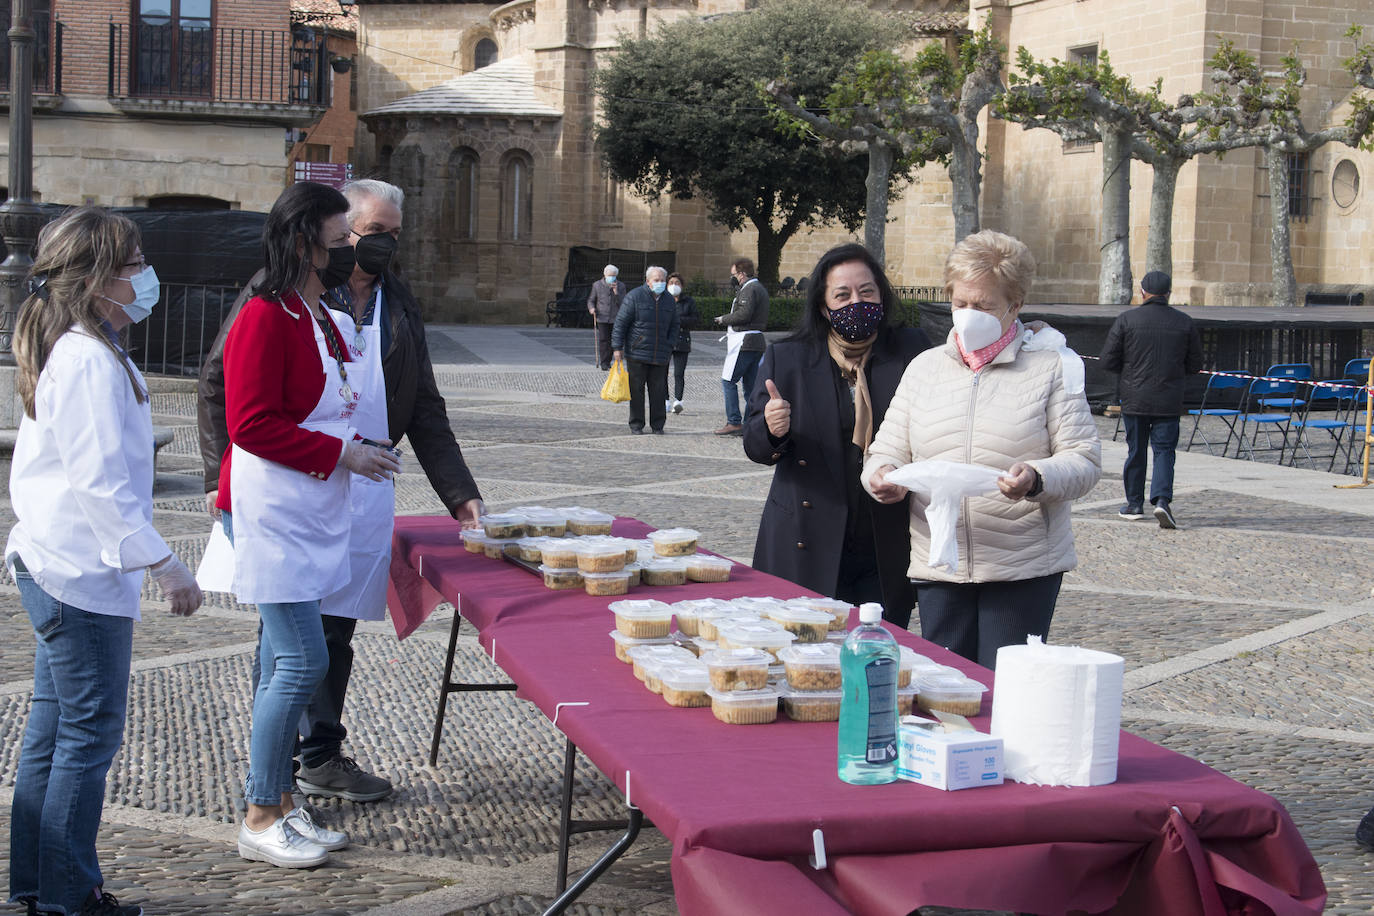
(980, 358)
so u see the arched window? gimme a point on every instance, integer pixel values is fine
(464, 171)
(517, 191)
(484, 54)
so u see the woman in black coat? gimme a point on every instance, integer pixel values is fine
(824, 391)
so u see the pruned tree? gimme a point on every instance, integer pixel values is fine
(905, 113)
(684, 113)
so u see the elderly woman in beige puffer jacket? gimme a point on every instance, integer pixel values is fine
(982, 399)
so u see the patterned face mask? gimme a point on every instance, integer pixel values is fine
(856, 321)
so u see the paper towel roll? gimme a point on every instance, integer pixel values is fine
(1057, 710)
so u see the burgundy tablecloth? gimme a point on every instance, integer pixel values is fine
(740, 803)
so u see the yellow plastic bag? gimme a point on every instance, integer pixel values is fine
(617, 386)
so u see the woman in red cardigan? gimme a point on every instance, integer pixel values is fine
(284, 495)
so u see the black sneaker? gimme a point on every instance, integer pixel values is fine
(107, 905)
(341, 777)
(1164, 515)
(1364, 834)
(1131, 513)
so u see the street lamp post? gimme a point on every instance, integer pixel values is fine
(20, 218)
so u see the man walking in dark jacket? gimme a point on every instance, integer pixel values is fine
(1154, 346)
(745, 324)
(386, 335)
(646, 329)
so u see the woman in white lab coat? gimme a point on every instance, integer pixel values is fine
(81, 485)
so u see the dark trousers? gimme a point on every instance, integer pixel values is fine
(975, 619)
(654, 377)
(680, 372)
(859, 581)
(1160, 435)
(603, 343)
(321, 725)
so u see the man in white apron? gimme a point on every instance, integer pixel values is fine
(744, 343)
(391, 372)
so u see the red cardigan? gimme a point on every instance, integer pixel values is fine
(273, 378)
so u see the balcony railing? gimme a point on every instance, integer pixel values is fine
(236, 66)
(47, 55)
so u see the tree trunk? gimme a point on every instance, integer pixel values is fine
(769, 253)
(1159, 253)
(875, 211)
(966, 180)
(1285, 293)
(1114, 275)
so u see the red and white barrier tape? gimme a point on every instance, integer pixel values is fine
(1315, 383)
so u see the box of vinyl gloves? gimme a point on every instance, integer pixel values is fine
(944, 756)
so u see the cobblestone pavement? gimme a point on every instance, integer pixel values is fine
(1247, 635)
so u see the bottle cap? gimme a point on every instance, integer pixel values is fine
(872, 612)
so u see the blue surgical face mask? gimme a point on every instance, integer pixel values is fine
(658, 286)
(146, 292)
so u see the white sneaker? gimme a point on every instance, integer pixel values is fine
(677, 406)
(303, 823)
(668, 406)
(280, 845)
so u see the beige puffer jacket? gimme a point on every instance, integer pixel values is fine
(1014, 409)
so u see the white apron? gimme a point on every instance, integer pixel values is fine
(372, 502)
(733, 341)
(291, 529)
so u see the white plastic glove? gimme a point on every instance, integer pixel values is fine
(369, 461)
(178, 585)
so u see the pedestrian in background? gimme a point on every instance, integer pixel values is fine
(1155, 347)
(744, 343)
(825, 389)
(983, 398)
(646, 330)
(604, 304)
(687, 316)
(81, 485)
(284, 496)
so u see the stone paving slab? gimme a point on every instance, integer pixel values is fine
(1217, 509)
(562, 465)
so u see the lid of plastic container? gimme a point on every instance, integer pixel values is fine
(659, 652)
(815, 654)
(792, 613)
(578, 513)
(529, 509)
(704, 559)
(561, 570)
(641, 608)
(821, 696)
(757, 605)
(673, 535)
(910, 658)
(736, 658)
(537, 542)
(745, 697)
(685, 676)
(541, 514)
(762, 634)
(871, 612)
(629, 641)
(703, 644)
(949, 683)
(503, 518)
(599, 547)
(700, 607)
(618, 574)
(659, 564)
(476, 535)
(833, 605)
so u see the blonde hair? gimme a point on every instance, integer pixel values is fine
(78, 253)
(992, 254)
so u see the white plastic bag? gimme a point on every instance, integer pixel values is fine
(216, 570)
(1047, 338)
(941, 485)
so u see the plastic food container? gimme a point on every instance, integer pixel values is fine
(606, 585)
(630, 548)
(808, 625)
(560, 553)
(600, 556)
(709, 621)
(634, 571)
(643, 619)
(737, 669)
(685, 685)
(674, 542)
(906, 696)
(703, 568)
(663, 571)
(838, 610)
(814, 666)
(700, 645)
(545, 523)
(529, 549)
(950, 693)
(812, 705)
(623, 644)
(654, 652)
(558, 578)
(912, 663)
(744, 707)
(474, 540)
(754, 634)
(504, 525)
(494, 548)
(588, 521)
(690, 612)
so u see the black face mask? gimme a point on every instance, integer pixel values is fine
(339, 268)
(374, 252)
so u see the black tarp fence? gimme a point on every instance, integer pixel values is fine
(203, 258)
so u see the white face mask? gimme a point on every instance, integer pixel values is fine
(675, 290)
(146, 292)
(610, 279)
(976, 329)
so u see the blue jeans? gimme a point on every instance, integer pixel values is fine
(1160, 435)
(76, 724)
(746, 368)
(293, 659)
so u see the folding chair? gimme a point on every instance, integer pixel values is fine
(1215, 385)
(1257, 394)
(1342, 393)
(1357, 373)
(1287, 370)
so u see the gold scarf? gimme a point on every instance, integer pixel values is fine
(852, 358)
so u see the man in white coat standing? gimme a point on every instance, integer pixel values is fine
(391, 373)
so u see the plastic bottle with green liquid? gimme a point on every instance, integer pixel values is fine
(868, 707)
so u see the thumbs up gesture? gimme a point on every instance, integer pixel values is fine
(777, 413)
